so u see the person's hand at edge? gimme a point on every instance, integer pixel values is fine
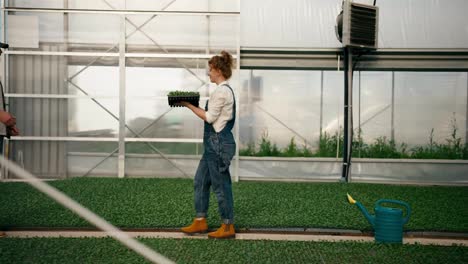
(7, 118)
(12, 131)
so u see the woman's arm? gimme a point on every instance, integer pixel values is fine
(197, 110)
(216, 103)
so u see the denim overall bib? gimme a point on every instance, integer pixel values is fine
(213, 169)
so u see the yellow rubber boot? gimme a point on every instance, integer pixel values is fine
(197, 226)
(225, 231)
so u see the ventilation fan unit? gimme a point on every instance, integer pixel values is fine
(357, 25)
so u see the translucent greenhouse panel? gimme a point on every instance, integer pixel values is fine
(181, 33)
(178, 5)
(94, 29)
(26, 30)
(35, 3)
(289, 24)
(93, 80)
(164, 160)
(91, 159)
(151, 81)
(147, 110)
(375, 105)
(430, 101)
(223, 33)
(44, 117)
(100, 4)
(332, 102)
(65, 32)
(155, 119)
(281, 105)
(23, 31)
(258, 168)
(423, 24)
(148, 148)
(167, 31)
(87, 118)
(310, 24)
(296, 23)
(185, 5)
(73, 4)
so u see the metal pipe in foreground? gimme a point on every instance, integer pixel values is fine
(85, 213)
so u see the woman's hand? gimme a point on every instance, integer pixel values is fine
(12, 131)
(184, 103)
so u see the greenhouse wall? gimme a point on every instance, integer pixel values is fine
(428, 172)
(88, 81)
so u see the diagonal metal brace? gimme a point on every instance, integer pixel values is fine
(129, 129)
(282, 123)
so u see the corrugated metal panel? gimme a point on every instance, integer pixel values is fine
(40, 74)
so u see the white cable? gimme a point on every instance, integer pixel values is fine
(85, 213)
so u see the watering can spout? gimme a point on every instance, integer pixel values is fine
(369, 217)
(350, 199)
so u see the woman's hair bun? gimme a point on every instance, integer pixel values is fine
(227, 58)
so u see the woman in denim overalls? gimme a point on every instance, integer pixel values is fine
(219, 144)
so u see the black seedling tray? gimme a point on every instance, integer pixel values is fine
(173, 100)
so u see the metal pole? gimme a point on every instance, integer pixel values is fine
(321, 103)
(85, 213)
(359, 114)
(348, 114)
(122, 119)
(466, 116)
(344, 172)
(237, 129)
(63, 115)
(392, 135)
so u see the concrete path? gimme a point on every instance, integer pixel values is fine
(241, 236)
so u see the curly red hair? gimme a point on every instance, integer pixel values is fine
(223, 62)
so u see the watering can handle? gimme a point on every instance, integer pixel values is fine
(408, 208)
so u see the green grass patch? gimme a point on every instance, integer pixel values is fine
(168, 203)
(106, 250)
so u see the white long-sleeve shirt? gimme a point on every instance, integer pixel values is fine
(220, 107)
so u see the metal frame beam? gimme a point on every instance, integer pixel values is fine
(380, 60)
(107, 139)
(117, 11)
(114, 54)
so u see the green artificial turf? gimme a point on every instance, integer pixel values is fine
(106, 250)
(168, 203)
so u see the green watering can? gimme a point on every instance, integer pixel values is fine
(388, 222)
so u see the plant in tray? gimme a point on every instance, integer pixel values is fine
(175, 97)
